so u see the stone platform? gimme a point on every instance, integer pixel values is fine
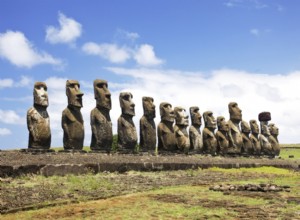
(15, 163)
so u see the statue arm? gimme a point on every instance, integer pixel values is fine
(30, 124)
(94, 128)
(64, 125)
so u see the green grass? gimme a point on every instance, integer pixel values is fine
(173, 202)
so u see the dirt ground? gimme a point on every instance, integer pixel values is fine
(33, 192)
(28, 192)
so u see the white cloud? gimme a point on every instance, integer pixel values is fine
(67, 32)
(18, 50)
(10, 83)
(4, 132)
(11, 117)
(132, 36)
(4, 83)
(249, 4)
(253, 92)
(145, 56)
(110, 52)
(257, 32)
(254, 31)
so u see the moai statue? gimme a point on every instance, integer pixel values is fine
(247, 144)
(165, 131)
(38, 122)
(102, 135)
(222, 135)
(127, 136)
(254, 137)
(194, 131)
(235, 134)
(264, 118)
(180, 129)
(273, 138)
(147, 126)
(210, 143)
(72, 121)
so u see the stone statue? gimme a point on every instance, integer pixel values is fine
(247, 144)
(38, 121)
(72, 121)
(273, 139)
(180, 129)
(147, 126)
(254, 137)
(210, 143)
(264, 118)
(222, 135)
(194, 131)
(165, 131)
(127, 136)
(235, 134)
(102, 135)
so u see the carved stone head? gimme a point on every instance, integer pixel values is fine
(273, 129)
(73, 93)
(234, 111)
(127, 104)
(102, 94)
(254, 126)
(264, 118)
(245, 127)
(195, 116)
(149, 107)
(222, 124)
(40, 94)
(166, 112)
(181, 118)
(209, 120)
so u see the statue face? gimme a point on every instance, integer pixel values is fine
(181, 117)
(195, 116)
(273, 129)
(222, 124)
(209, 120)
(149, 107)
(234, 111)
(102, 94)
(264, 128)
(40, 94)
(74, 94)
(166, 112)
(254, 127)
(245, 127)
(126, 103)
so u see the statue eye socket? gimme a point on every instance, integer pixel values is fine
(126, 97)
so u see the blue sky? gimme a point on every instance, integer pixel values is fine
(204, 53)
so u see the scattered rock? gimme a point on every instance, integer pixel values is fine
(262, 187)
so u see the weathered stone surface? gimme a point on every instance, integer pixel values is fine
(72, 121)
(147, 126)
(247, 144)
(264, 118)
(127, 136)
(254, 137)
(196, 142)
(38, 121)
(165, 131)
(222, 135)
(210, 143)
(235, 134)
(180, 129)
(102, 135)
(273, 139)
